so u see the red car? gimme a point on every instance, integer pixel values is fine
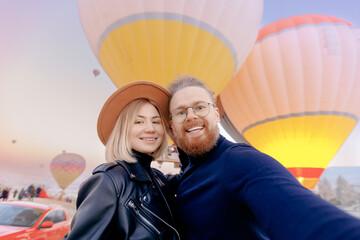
(28, 220)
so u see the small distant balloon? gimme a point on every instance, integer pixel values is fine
(66, 167)
(13, 141)
(96, 72)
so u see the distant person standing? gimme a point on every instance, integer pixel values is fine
(31, 192)
(21, 194)
(38, 190)
(15, 192)
(5, 194)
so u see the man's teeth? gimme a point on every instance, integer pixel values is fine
(194, 129)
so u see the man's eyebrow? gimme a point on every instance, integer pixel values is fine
(179, 107)
(184, 106)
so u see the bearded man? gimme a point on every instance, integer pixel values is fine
(231, 190)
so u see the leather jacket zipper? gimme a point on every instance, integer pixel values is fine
(142, 217)
(167, 224)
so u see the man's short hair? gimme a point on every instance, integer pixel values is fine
(184, 81)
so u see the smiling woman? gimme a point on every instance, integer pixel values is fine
(147, 133)
(137, 122)
(132, 198)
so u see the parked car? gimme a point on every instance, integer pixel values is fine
(29, 220)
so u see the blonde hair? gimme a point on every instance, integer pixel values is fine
(118, 146)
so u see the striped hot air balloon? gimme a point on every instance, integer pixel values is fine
(156, 40)
(297, 95)
(66, 167)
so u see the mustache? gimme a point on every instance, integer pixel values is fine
(193, 123)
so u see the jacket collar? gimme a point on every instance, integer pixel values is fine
(135, 170)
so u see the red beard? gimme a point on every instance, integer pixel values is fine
(199, 145)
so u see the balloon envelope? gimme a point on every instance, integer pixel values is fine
(66, 167)
(297, 95)
(96, 72)
(156, 40)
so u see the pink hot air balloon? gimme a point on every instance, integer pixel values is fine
(66, 167)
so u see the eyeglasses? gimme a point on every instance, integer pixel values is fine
(200, 109)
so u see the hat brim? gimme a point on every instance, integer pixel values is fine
(123, 96)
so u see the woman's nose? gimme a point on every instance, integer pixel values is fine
(149, 127)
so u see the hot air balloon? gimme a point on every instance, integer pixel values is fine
(66, 167)
(297, 95)
(227, 125)
(159, 39)
(96, 72)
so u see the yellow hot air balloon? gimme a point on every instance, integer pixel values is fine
(227, 125)
(297, 95)
(156, 40)
(66, 167)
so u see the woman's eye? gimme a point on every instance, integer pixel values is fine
(138, 122)
(156, 122)
(180, 113)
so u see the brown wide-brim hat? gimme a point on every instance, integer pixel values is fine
(123, 96)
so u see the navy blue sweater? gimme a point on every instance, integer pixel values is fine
(237, 192)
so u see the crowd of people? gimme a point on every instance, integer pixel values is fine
(30, 192)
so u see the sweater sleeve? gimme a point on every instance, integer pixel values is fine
(282, 207)
(96, 205)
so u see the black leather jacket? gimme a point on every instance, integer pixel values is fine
(121, 201)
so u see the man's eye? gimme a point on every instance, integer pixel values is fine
(199, 107)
